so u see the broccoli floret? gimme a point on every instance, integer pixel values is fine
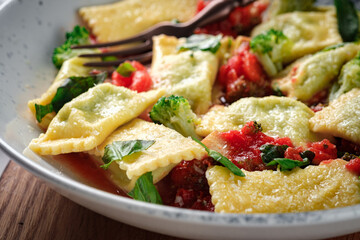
(175, 112)
(78, 36)
(284, 6)
(349, 78)
(271, 48)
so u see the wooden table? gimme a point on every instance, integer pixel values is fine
(29, 209)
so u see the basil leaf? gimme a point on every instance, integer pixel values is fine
(144, 190)
(269, 152)
(71, 88)
(125, 69)
(202, 42)
(117, 150)
(288, 164)
(221, 159)
(348, 21)
(42, 110)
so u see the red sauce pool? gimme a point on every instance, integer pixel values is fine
(86, 169)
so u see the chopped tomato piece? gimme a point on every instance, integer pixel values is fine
(139, 80)
(293, 153)
(251, 67)
(242, 147)
(119, 80)
(354, 166)
(323, 150)
(243, 76)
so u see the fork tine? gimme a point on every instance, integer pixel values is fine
(143, 58)
(129, 51)
(138, 38)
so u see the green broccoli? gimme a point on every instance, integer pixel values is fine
(349, 78)
(175, 112)
(78, 36)
(284, 6)
(271, 48)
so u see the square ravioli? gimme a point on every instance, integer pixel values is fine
(72, 67)
(310, 31)
(190, 74)
(341, 118)
(169, 149)
(320, 187)
(278, 116)
(317, 72)
(84, 122)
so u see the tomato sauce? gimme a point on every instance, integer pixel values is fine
(242, 147)
(243, 76)
(186, 186)
(87, 170)
(354, 166)
(323, 150)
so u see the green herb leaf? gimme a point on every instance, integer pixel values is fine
(145, 190)
(117, 150)
(125, 69)
(202, 42)
(348, 21)
(221, 159)
(71, 88)
(288, 164)
(42, 110)
(332, 47)
(269, 152)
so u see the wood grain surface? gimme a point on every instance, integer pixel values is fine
(31, 210)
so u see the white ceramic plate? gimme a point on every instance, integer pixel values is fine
(29, 31)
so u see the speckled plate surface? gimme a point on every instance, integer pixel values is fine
(29, 31)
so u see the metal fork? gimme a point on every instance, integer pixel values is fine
(216, 10)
